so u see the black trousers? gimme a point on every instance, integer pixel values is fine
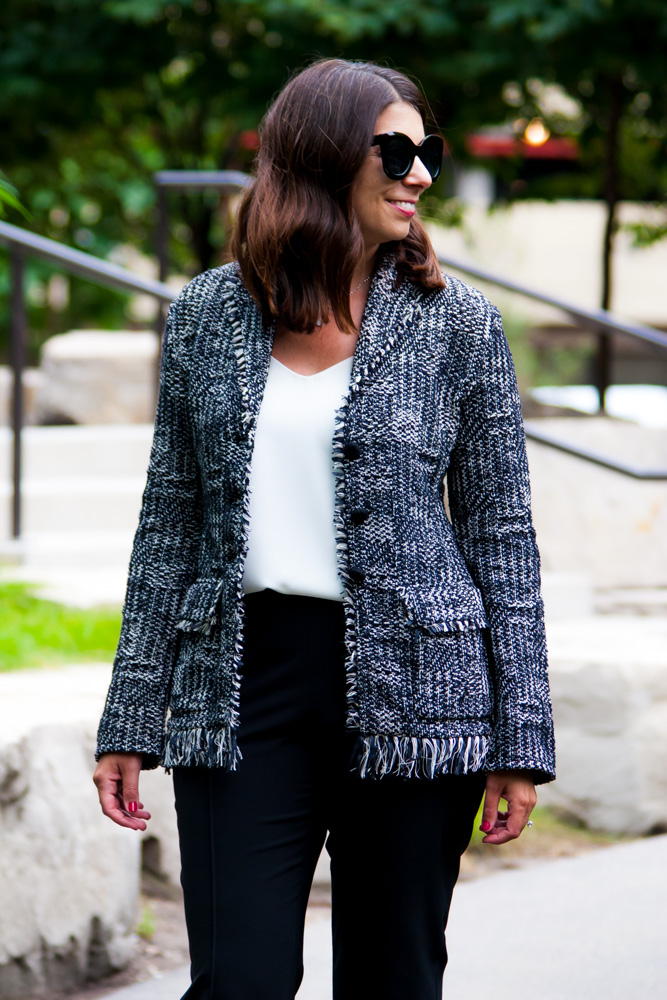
(250, 839)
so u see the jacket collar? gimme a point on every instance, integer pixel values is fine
(388, 311)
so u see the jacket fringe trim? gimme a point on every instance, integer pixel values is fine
(205, 626)
(238, 347)
(202, 747)
(416, 756)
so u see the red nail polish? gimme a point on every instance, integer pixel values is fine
(132, 807)
(486, 826)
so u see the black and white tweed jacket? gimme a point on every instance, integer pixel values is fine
(446, 656)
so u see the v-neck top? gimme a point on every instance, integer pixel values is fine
(291, 541)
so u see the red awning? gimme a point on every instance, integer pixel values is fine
(501, 146)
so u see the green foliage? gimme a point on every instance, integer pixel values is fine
(35, 632)
(550, 364)
(447, 212)
(646, 234)
(97, 96)
(146, 926)
(549, 827)
(9, 198)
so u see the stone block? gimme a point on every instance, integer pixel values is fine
(33, 381)
(594, 521)
(609, 689)
(99, 377)
(69, 879)
(160, 839)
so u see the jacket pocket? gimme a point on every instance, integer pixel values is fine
(450, 667)
(436, 610)
(198, 612)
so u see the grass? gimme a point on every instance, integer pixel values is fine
(551, 825)
(556, 365)
(553, 835)
(35, 632)
(146, 926)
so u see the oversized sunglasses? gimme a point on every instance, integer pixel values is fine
(398, 153)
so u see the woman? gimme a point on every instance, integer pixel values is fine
(299, 604)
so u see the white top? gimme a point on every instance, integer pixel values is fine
(291, 541)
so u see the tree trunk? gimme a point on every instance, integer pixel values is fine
(611, 191)
(611, 198)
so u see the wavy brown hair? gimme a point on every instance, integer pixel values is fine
(296, 237)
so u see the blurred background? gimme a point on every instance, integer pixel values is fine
(127, 129)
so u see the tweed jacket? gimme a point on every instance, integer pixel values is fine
(446, 666)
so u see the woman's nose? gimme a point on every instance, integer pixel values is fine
(418, 175)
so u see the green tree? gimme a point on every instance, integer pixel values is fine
(608, 55)
(96, 96)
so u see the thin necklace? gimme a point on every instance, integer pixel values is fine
(318, 322)
(359, 285)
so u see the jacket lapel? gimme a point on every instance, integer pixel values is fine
(387, 314)
(252, 343)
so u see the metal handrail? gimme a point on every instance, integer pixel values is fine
(102, 272)
(224, 181)
(598, 320)
(626, 468)
(22, 243)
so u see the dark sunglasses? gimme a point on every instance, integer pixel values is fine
(399, 151)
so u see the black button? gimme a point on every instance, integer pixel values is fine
(359, 515)
(351, 450)
(356, 575)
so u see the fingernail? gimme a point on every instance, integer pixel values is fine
(132, 807)
(486, 826)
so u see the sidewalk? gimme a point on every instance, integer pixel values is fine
(582, 928)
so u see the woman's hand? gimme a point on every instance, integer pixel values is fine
(517, 788)
(117, 780)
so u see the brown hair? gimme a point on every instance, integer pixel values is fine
(296, 238)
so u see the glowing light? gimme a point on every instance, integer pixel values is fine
(536, 133)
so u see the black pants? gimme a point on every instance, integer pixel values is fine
(250, 839)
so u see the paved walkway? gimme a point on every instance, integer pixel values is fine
(586, 928)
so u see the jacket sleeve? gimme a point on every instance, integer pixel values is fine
(489, 500)
(162, 565)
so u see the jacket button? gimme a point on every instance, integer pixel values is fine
(356, 575)
(351, 450)
(359, 515)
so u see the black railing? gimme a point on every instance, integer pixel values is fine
(225, 182)
(596, 320)
(22, 244)
(626, 468)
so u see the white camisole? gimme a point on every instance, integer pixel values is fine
(291, 540)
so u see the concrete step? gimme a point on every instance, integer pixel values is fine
(647, 601)
(100, 450)
(88, 550)
(75, 586)
(76, 503)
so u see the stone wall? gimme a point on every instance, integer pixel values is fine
(69, 879)
(98, 377)
(88, 377)
(609, 686)
(593, 520)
